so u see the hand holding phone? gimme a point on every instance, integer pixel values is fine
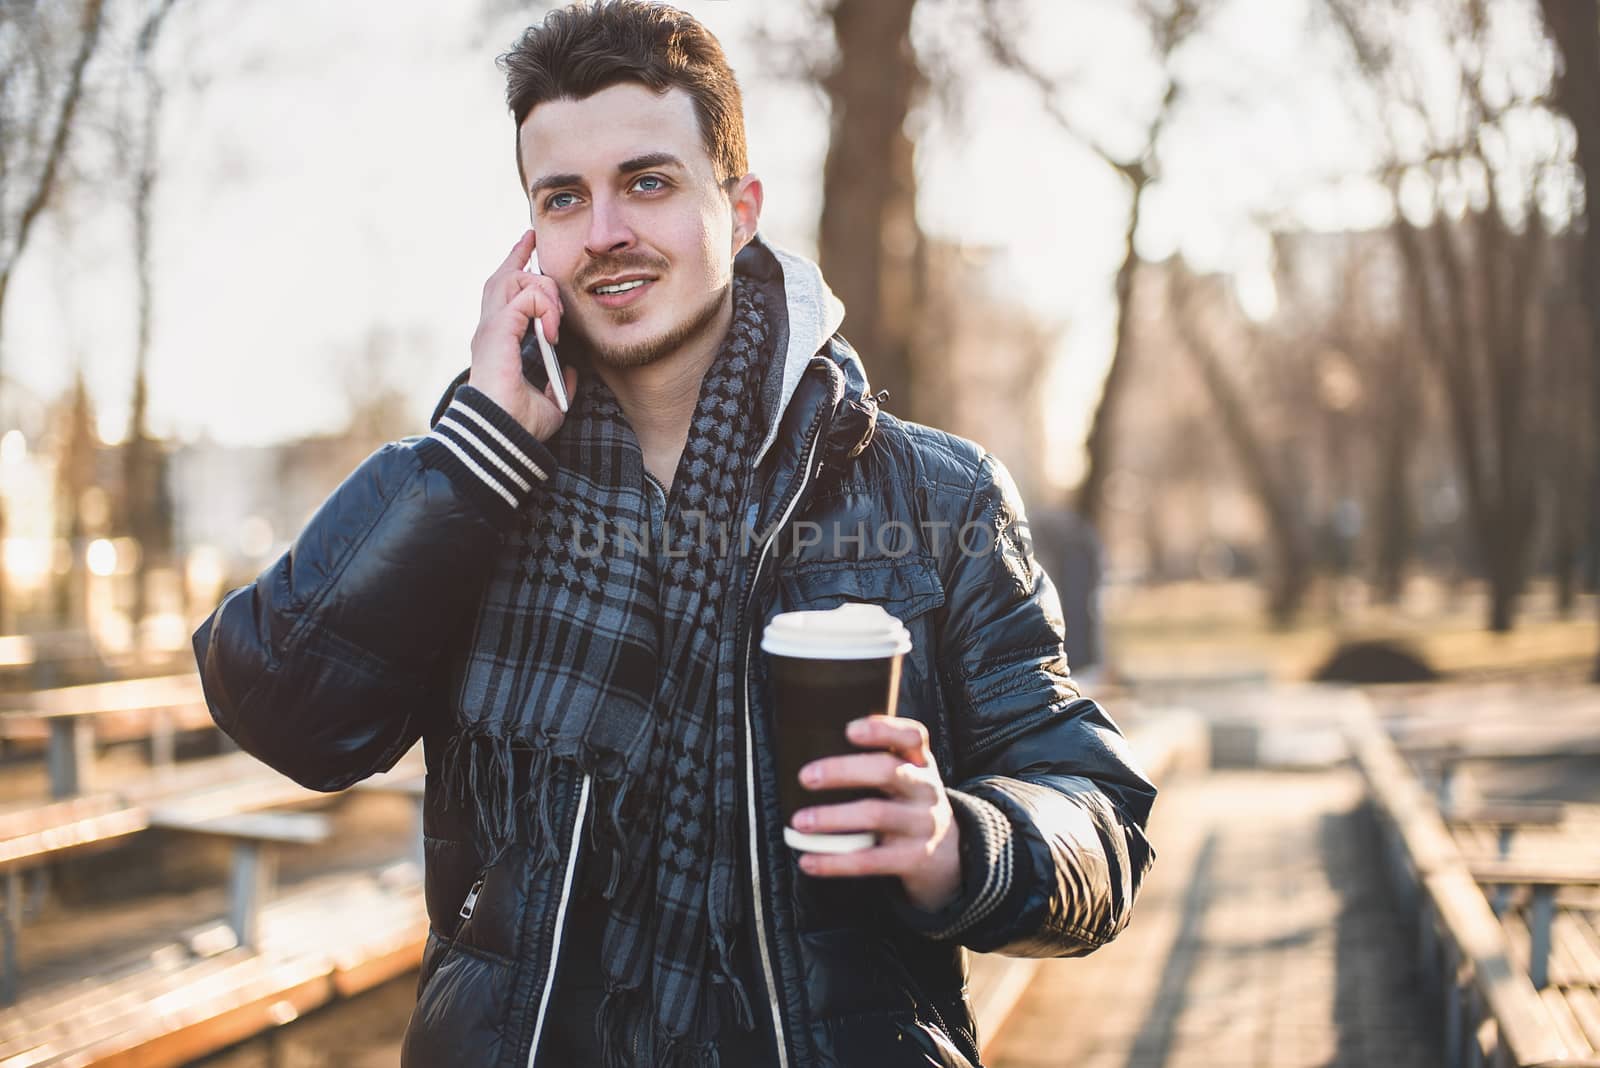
(552, 367)
(516, 300)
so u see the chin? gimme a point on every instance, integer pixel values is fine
(627, 349)
(624, 345)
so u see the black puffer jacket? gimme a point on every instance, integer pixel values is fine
(341, 655)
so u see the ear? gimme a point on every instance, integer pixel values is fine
(745, 200)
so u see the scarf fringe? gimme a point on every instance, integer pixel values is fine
(617, 844)
(480, 773)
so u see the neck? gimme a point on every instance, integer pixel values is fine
(659, 398)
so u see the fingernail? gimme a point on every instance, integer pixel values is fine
(857, 729)
(803, 820)
(809, 774)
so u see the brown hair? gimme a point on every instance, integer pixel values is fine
(592, 45)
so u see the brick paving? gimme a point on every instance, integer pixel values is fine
(1265, 938)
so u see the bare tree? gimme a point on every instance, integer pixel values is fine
(1566, 428)
(1170, 24)
(147, 505)
(43, 56)
(1366, 381)
(869, 242)
(1474, 278)
(76, 515)
(1201, 311)
(1574, 27)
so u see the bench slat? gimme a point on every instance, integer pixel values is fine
(1547, 872)
(299, 828)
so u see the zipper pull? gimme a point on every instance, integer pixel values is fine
(472, 900)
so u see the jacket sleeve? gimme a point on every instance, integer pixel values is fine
(321, 668)
(1049, 801)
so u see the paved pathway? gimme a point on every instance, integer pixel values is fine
(1264, 939)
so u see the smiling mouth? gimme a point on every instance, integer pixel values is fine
(620, 287)
(621, 294)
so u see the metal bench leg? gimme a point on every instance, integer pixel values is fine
(250, 885)
(8, 937)
(163, 741)
(1446, 790)
(1541, 916)
(70, 756)
(1502, 893)
(38, 892)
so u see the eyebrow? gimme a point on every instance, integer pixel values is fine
(638, 163)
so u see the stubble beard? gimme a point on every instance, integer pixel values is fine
(643, 353)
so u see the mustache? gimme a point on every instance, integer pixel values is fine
(610, 266)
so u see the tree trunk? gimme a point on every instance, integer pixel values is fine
(869, 242)
(1396, 525)
(1565, 561)
(1505, 560)
(1100, 444)
(1286, 528)
(14, 235)
(1575, 29)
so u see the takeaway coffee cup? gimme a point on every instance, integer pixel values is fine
(827, 669)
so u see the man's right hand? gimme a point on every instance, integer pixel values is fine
(512, 299)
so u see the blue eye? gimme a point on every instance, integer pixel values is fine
(657, 183)
(557, 201)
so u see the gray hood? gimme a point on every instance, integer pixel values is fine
(812, 315)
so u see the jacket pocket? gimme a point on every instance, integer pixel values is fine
(906, 586)
(461, 1008)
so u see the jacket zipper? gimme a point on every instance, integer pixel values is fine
(955, 1036)
(750, 764)
(561, 919)
(471, 903)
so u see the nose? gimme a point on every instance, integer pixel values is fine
(608, 227)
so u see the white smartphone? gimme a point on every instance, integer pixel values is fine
(552, 366)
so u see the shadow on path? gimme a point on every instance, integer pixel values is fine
(1156, 1034)
(1382, 1019)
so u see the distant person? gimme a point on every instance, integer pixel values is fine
(607, 877)
(1069, 551)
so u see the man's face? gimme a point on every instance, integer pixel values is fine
(631, 221)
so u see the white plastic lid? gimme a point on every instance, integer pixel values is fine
(850, 632)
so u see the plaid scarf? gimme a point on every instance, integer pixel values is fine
(600, 644)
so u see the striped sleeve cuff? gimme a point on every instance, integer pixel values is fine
(486, 452)
(987, 869)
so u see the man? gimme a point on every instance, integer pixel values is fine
(564, 608)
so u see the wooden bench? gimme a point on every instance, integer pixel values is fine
(1443, 757)
(187, 796)
(1542, 880)
(172, 1003)
(255, 837)
(1490, 831)
(73, 717)
(1493, 1012)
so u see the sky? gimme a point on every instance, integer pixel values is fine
(338, 180)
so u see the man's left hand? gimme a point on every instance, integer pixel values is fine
(918, 838)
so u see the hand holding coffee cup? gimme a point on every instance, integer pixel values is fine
(858, 787)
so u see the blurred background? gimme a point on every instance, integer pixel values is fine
(1284, 314)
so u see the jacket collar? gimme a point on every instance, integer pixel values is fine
(808, 347)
